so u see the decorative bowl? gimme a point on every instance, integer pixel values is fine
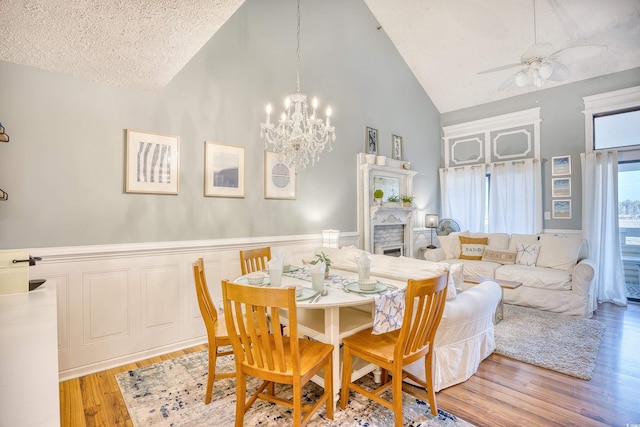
(367, 284)
(255, 278)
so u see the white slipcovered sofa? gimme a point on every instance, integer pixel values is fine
(554, 270)
(465, 334)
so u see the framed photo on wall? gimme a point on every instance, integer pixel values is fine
(371, 140)
(561, 187)
(223, 170)
(561, 209)
(561, 165)
(152, 163)
(396, 147)
(279, 178)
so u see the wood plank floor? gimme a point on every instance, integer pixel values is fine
(503, 392)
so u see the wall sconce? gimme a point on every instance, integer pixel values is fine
(330, 238)
(431, 222)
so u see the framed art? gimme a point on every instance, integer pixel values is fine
(371, 140)
(152, 163)
(561, 187)
(561, 209)
(223, 170)
(396, 147)
(561, 165)
(279, 178)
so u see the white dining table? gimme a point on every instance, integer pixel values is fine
(337, 315)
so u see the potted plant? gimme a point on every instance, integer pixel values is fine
(406, 201)
(377, 195)
(393, 199)
(324, 258)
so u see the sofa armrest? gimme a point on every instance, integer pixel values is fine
(434, 255)
(582, 276)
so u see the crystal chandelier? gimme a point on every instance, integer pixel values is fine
(298, 137)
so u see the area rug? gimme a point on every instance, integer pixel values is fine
(561, 343)
(171, 393)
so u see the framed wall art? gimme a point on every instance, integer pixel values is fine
(561, 209)
(152, 163)
(279, 178)
(223, 170)
(396, 147)
(371, 140)
(561, 165)
(561, 187)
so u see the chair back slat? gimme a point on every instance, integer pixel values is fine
(252, 313)
(254, 259)
(425, 300)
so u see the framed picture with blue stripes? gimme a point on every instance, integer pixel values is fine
(152, 163)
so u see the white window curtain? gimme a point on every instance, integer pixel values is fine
(600, 225)
(463, 192)
(515, 197)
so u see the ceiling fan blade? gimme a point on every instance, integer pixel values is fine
(574, 53)
(537, 50)
(560, 72)
(508, 82)
(502, 67)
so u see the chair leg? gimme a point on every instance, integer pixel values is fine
(211, 376)
(428, 369)
(328, 386)
(346, 376)
(241, 397)
(297, 403)
(396, 395)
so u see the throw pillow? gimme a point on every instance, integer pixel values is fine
(527, 253)
(451, 244)
(500, 256)
(559, 252)
(472, 247)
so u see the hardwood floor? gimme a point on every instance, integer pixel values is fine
(503, 392)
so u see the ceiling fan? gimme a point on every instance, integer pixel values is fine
(541, 62)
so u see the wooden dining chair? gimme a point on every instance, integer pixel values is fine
(265, 353)
(254, 259)
(391, 351)
(216, 328)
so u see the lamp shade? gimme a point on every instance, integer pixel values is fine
(431, 220)
(330, 238)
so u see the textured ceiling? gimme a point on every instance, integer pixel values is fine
(142, 44)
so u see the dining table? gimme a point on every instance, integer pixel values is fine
(343, 311)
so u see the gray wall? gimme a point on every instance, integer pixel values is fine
(562, 129)
(64, 166)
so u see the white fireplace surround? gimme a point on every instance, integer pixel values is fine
(384, 217)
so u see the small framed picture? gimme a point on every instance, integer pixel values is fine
(396, 147)
(561, 209)
(279, 178)
(561, 165)
(561, 187)
(153, 161)
(371, 140)
(223, 170)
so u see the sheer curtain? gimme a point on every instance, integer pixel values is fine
(600, 225)
(515, 198)
(463, 192)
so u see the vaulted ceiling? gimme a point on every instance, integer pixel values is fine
(142, 44)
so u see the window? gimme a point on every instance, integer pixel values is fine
(616, 129)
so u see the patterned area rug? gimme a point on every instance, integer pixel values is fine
(561, 343)
(171, 393)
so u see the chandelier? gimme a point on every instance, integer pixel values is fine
(298, 137)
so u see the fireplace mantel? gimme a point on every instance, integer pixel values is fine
(397, 181)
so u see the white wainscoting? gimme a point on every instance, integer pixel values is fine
(122, 303)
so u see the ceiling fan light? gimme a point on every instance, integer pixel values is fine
(538, 81)
(545, 70)
(522, 79)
